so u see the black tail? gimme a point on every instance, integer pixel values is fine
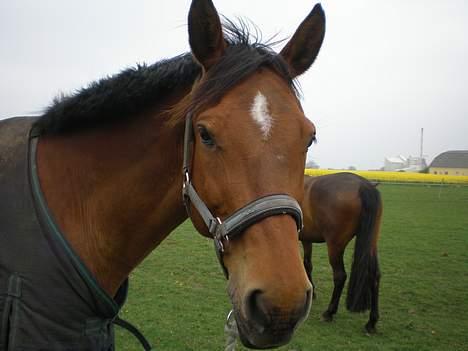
(365, 269)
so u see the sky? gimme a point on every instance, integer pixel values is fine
(386, 68)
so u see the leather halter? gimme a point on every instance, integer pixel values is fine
(241, 219)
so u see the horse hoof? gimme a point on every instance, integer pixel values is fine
(370, 329)
(327, 317)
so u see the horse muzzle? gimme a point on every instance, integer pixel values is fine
(262, 325)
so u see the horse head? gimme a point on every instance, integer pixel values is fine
(248, 140)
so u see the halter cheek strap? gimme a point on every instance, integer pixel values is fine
(240, 220)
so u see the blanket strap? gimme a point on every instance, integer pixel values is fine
(132, 329)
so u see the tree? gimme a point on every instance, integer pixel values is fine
(311, 164)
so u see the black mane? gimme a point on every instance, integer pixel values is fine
(135, 90)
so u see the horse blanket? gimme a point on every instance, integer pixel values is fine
(48, 298)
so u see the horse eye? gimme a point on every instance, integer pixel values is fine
(205, 136)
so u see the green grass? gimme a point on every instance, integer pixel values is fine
(178, 295)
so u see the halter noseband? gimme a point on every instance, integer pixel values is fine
(240, 220)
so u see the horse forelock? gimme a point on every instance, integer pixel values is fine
(244, 55)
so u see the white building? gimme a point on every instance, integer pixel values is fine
(395, 163)
(404, 164)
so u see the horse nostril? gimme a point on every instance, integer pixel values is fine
(257, 311)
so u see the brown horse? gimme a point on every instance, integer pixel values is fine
(336, 208)
(109, 163)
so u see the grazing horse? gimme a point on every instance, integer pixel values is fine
(108, 164)
(336, 208)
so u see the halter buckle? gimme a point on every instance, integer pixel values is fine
(185, 183)
(217, 234)
(186, 178)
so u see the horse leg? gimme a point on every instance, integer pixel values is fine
(307, 245)
(374, 312)
(339, 279)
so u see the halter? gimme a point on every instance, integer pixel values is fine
(253, 212)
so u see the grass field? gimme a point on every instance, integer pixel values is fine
(178, 295)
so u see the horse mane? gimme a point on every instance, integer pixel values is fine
(135, 90)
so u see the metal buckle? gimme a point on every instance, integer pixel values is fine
(187, 179)
(217, 237)
(229, 315)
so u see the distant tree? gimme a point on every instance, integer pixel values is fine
(351, 168)
(311, 164)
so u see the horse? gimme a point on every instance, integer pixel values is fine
(336, 208)
(223, 125)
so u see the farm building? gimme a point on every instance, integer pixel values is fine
(404, 164)
(395, 163)
(450, 163)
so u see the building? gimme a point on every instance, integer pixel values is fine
(404, 164)
(450, 163)
(395, 163)
(415, 164)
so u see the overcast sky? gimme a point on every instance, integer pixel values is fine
(386, 69)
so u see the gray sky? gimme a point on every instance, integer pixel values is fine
(386, 69)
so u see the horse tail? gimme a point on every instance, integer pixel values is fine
(365, 273)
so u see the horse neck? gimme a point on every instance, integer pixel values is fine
(114, 192)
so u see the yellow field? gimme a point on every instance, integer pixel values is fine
(397, 177)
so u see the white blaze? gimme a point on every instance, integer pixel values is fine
(260, 114)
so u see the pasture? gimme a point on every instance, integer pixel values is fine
(178, 295)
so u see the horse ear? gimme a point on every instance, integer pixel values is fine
(205, 33)
(300, 52)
